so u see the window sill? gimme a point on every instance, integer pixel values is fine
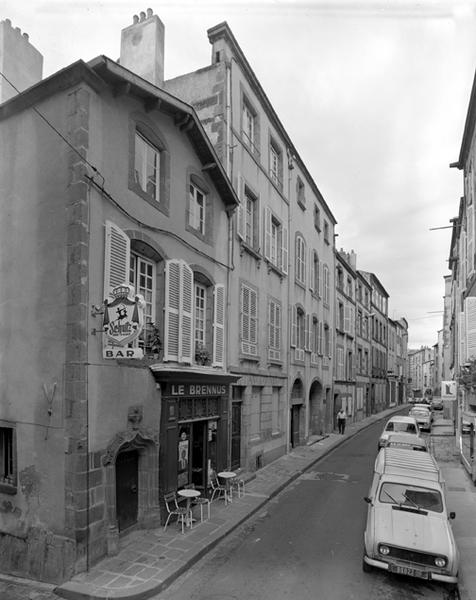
(276, 269)
(244, 247)
(301, 204)
(250, 357)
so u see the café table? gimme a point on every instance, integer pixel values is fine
(227, 476)
(189, 494)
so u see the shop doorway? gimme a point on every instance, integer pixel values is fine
(127, 482)
(235, 435)
(196, 453)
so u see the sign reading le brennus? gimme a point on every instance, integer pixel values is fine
(122, 323)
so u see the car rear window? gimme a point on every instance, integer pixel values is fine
(411, 496)
(405, 427)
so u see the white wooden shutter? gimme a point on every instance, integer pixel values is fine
(470, 240)
(284, 250)
(321, 277)
(116, 258)
(462, 339)
(321, 341)
(248, 320)
(186, 314)
(294, 326)
(470, 327)
(240, 213)
(346, 318)
(178, 327)
(172, 310)
(267, 233)
(219, 326)
(312, 279)
(307, 332)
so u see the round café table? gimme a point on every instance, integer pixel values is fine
(227, 476)
(189, 494)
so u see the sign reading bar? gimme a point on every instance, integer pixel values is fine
(122, 322)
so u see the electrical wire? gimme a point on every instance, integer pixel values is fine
(141, 224)
(106, 194)
(58, 133)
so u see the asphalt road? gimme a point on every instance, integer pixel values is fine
(307, 544)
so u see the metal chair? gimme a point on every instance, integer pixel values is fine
(217, 488)
(238, 484)
(183, 515)
(201, 501)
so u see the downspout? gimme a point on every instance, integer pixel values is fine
(290, 320)
(231, 267)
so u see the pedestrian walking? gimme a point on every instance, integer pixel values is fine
(341, 418)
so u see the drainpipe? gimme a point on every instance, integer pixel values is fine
(288, 348)
(228, 119)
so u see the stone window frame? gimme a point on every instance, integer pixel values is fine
(143, 126)
(193, 178)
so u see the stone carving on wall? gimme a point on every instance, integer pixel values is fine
(134, 438)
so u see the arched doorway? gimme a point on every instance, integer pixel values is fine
(316, 416)
(132, 467)
(297, 414)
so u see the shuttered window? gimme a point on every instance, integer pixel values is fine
(274, 330)
(219, 326)
(178, 334)
(116, 258)
(249, 320)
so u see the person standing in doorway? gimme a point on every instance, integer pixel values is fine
(341, 418)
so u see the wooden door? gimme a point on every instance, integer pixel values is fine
(127, 469)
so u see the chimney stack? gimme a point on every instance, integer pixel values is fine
(142, 47)
(21, 62)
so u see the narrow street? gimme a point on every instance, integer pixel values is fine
(307, 545)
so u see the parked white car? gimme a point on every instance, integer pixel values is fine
(398, 424)
(408, 530)
(423, 417)
(407, 441)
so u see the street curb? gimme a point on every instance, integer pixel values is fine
(71, 591)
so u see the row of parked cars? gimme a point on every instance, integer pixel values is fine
(408, 528)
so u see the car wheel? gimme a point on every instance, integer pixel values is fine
(365, 567)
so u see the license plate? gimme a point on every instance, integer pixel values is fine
(408, 571)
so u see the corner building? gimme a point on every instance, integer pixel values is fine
(134, 204)
(281, 298)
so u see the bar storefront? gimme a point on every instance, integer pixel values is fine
(194, 427)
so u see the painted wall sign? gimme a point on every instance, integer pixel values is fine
(192, 389)
(122, 322)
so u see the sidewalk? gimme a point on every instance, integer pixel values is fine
(149, 561)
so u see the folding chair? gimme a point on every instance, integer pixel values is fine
(201, 501)
(183, 515)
